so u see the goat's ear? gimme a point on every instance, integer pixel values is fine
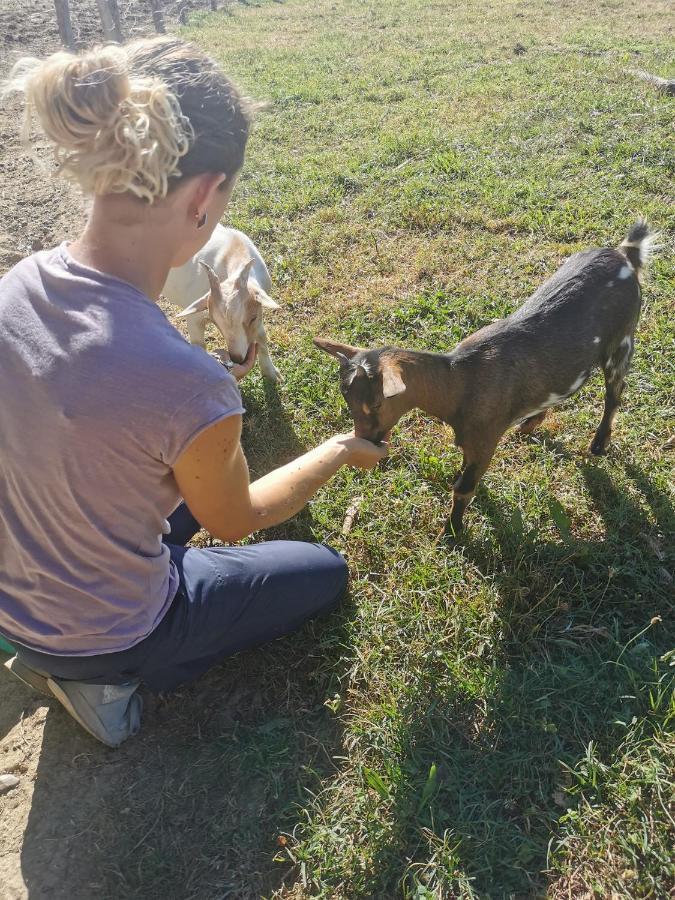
(343, 352)
(264, 298)
(215, 296)
(241, 275)
(198, 306)
(392, 382)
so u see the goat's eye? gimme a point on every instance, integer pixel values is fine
(253, 319)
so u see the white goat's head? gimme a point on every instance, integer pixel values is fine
(235, 308)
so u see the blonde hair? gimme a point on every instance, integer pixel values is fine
(134, 118)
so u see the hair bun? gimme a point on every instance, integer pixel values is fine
(75, 96)
(112, 132)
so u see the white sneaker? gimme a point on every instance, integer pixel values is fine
(109, 712)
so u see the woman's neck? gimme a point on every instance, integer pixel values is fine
(130, 241)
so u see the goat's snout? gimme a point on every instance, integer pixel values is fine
(369, 421)
(367, 428)
(372, 386)
(238, 348)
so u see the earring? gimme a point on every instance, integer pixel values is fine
(201, 222)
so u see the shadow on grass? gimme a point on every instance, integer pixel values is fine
(269, 441)
(193, 806)
(268, 435)
(481, 787)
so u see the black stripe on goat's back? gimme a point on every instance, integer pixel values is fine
(633, 255)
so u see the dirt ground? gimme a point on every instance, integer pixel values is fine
(51, 824)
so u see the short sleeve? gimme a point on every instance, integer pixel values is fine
(214, 402)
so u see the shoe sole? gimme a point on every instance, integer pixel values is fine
(29, 677)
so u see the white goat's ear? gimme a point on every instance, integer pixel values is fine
(241, 276)
(341, 351)
(264, 298)
(392, 382)
(198, 306)
(215, 296)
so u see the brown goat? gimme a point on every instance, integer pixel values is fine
(513, 370)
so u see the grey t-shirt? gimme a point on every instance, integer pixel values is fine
(99, 396)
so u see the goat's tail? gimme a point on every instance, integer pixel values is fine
(639, 244)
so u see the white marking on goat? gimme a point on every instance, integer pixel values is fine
(550, 401)
(554, 399)
(610, 284)
(626, 271)
(596, 339)
(365, 408)
(577, 384)
(617, 364)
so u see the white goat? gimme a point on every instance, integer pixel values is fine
(226, 282)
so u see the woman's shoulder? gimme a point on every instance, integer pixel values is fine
(23, 272)
(108, 329)
(165, 349)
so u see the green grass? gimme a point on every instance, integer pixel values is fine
(494, 718)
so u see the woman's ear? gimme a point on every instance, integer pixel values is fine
(204, 190)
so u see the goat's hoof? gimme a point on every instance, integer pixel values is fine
(598, 448)
(273, 375)
(452, 532)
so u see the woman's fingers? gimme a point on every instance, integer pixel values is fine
(363, 454)
(239, 370)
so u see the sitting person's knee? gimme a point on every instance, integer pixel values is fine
(334, 574)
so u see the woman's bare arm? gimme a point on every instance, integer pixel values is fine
(212, 475)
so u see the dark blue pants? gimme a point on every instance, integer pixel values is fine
(229, 599)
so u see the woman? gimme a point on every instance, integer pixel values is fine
(109, 417)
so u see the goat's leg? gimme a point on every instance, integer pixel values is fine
(613, 390)
(267, 367)
(196, 326)
(615, 370)
(475, 463)
(528, 425)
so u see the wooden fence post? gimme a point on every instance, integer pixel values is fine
(158, 16)
(64, 23)
(110, 19)
(115, 12)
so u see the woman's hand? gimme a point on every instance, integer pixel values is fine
(238, 369)
(360, 453)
